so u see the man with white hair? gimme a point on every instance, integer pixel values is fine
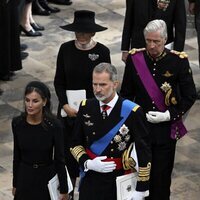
(160, 81)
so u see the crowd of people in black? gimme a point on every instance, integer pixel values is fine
(16, 16)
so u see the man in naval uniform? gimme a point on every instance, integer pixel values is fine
(104, 130)
(161, 81)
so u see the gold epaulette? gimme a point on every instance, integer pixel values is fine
(135, 108)
(134, 50)
(83, 103)
(77, 152)
(181, 54)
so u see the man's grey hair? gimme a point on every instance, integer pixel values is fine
(108, 68)
(156, 25)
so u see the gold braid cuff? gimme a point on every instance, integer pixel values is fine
(144, 173)
(77, 152)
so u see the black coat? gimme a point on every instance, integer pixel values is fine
(169, 68)
(90, 127)
(10, 59)
(42, 145)
(140, 12)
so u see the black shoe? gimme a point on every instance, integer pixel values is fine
(24, 55)
(46, 6)
(37, 27)
(61, 2)
(30, 33)
(38, 10)
(23, 47)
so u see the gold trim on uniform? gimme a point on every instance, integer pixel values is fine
(134, 50)
(127, 161)
(144, 173)
(173, 101)
(168, 74)
(83, 103)
(78, 151)
(135, 108)
(117, 138)
(163, 54)
(180, 54)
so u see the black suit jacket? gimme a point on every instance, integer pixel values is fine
(140, 12)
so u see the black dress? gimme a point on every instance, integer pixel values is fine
(74, 72)
(36, 144)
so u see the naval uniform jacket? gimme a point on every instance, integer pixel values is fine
(140, 12)
(90, 127)
(171, 68)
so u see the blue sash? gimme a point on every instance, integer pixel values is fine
(100, 145)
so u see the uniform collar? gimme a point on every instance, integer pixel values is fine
(162, 55)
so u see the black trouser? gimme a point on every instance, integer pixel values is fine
(161, 170)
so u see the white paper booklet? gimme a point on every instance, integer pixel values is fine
(126, 184)
(53, 186)
(74, 99)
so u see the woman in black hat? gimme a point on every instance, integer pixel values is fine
(38, 147)
(75, 62)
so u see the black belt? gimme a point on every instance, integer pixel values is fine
(37, 165)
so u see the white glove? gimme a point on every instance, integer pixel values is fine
(99, 166)
(138, 195)
(157, 117)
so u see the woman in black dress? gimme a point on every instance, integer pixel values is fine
(75, 63)
(38, 147)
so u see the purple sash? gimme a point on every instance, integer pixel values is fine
(178, 129)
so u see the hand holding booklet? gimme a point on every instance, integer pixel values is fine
(53, 186)
(74, 98)
(126, 184)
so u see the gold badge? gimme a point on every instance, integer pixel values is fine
(165, 87)
(168, 74)
(173, 100)
(117, 138)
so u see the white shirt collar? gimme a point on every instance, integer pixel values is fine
(111, 103)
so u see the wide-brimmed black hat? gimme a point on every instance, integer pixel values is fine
(84, 21)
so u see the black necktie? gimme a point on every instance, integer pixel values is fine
(104, 110)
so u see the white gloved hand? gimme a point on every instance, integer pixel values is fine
(138, 195)
(157, 117)
(99, 166)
